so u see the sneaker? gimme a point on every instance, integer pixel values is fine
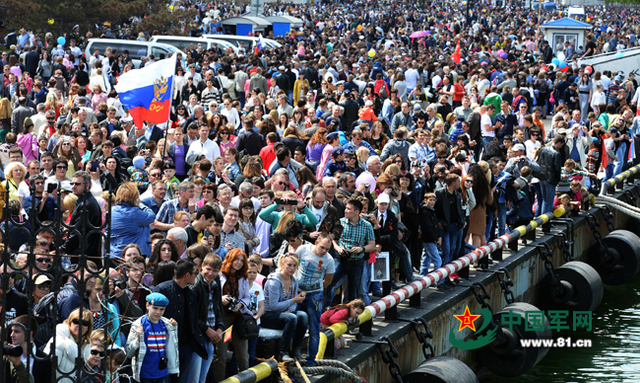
(287, 359)
(444, 286)
(454, 276)
(449, 283)
(296, 354)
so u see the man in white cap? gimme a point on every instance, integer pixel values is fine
(520, 160)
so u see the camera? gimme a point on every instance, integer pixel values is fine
(281, 201)
(394, 193)
(12, 350)
(235, 304)
(122, 285)
(162, 363)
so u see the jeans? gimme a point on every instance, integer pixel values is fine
(200, 367)
(536, 189)
(450, 242)
(502, 219)
(164, 379)
(608, 171)
(490, 227)
(252, 343)
(363, 292)
(185, 354)
(241, 98)
(548, 194)
(429, 256)
(312, 306)
(353, 271)
(486, 140)
(294, 326)
(618, 165)
(404, 256)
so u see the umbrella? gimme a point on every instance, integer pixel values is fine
(418, 34)
(379, 29)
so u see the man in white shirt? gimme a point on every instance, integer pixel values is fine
(419, 150)
(486, 126)
(39, 119)
(411, 77)
(483, 84)
(204, 146)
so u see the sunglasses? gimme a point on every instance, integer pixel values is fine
(44, 286)
(77, 183)
(97, 353)
(61, 167)
(43, 260)
(66, 144)
(155, 175)
(51, 119)
(469, 181)
(85, 323)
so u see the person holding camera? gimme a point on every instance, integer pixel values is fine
(288, 202)
(451, 219)
(153, 343)
(519, 161)
(235, 290)
(24, 367)
(357, 239)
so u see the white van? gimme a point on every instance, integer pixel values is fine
(182, 42)
(249, 42)
(137, 49)
(576, 11)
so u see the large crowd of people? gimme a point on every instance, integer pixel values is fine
(283, 175)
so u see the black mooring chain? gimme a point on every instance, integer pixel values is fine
(505, 281)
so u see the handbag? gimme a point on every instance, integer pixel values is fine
(246, 327)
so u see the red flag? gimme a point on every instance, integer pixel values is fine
(456, 56)
(605, 159)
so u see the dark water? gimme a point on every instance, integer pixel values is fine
(615, 352)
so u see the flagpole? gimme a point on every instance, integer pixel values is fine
(166, 128)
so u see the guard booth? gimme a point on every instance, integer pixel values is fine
(284, 24)
(558, 31)
(245, 25)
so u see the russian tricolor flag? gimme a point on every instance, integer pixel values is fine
(147, 92)
(258, 47)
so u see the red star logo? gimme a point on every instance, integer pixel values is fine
(466, 320)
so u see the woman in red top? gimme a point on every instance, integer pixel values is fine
(458, 92)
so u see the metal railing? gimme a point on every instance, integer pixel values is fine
(619, 178)
(380, 306)
(26, 232)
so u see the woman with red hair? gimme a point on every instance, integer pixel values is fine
(235, 299)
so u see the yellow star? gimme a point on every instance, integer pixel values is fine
(467, 319)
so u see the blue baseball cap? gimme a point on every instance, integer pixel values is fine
(332, 135)
(157, 299)
(338, 150)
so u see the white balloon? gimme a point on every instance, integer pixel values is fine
(560, 56)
